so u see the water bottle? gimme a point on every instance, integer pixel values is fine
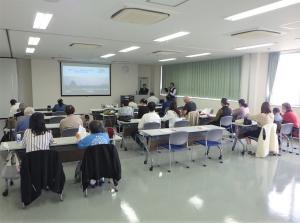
(18, 138)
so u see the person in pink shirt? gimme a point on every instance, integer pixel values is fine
(290, 117)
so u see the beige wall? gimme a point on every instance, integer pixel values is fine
(46, 85)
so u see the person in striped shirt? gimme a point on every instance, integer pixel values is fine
(37, 137)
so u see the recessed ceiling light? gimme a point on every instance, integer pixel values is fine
(254, 46)
(198, 55)
(172, 36)
(263, 9)
(30, 50)
(129, 49)
(165, 60)
(108, 55)
(33, 41)
(42, 20)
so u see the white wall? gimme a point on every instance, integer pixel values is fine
(24, 81)
(46, 86)
(8, 84)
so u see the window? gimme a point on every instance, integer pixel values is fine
(286, 86)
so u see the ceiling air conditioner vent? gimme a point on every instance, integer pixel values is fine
(256, 34)
(85, 45)
(171, 3)
(139, 16)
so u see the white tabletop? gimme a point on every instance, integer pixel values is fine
(189, 129)
(62, 141)
(132, 121)
(49, 117)
(52, 126)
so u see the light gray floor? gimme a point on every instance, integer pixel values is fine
(243, 189)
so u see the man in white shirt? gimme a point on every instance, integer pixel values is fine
(14, 107)
(152, 116)
(152, 98)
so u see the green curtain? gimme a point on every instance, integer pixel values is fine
(207, 79)
(272, 69)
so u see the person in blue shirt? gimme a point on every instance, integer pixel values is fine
(23, 121)
(97, 136)
(60, 106)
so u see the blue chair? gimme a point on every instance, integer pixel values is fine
(178, 141)
(213, 138)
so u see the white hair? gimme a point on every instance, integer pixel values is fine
(28, 111)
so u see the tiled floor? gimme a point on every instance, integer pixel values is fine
(243, 189)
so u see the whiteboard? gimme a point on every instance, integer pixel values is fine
(8, 84)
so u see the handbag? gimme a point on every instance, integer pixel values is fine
(247, 121)
(11, 169)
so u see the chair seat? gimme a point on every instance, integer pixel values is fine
(209, 143)
(174, 147)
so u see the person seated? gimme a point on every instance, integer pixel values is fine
(20, 111)
(143, 108)
(23, 121)
(152, 98)
(71, 121)
(97, 135)
(242, 111)
(86, 121)
(277, 116)
(166, 105)
(172, 115)
(224, 111)
(14, 107)
(37, 136)
(60, 106)
(189, 106)
(263, 118)
(289, 116)
(151, 116)
(144, 90)
(132, 104)
(126, 110)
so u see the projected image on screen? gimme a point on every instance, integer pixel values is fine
(85, 79)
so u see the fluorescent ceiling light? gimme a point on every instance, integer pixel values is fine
(198, 55)
(42, 20)
(108, 55)
(129, 49)
(30, 50)
(172, 36)
(33, 41)
(263, 9)
(254, 46)
(164, 60)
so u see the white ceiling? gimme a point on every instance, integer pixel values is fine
(89, 21)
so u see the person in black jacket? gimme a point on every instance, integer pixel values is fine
(143, 108)
(41, 170)
(100, 161)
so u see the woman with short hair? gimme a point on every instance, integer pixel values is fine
(37, 136)
(172, 115)
(289, 116)
(242, 111)
(97, 135)
(71, 121)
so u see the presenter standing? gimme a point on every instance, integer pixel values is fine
(172, 91)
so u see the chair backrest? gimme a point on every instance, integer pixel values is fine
(125, 118)
(69, 132)
(179, 138)
(226, 121)
(57, 113)
(263, 142)
(193, 118)
(182, 123)
(151, 125)
(214, 135)
(286, 129)
(56, 119)
(109, 121)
